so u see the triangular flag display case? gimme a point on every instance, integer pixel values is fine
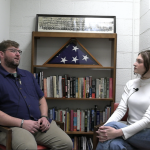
(80, 55)
(72, 52)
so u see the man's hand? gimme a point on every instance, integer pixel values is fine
(31, 126)
(44, 124)
(106, 133)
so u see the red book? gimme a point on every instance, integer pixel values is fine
(61, 115)
(71, 119)
(110, 88)
(80, 119)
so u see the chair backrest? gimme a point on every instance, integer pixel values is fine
(125, 116)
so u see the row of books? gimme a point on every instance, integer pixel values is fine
(82, 143)
(80, 120)
(58, 86)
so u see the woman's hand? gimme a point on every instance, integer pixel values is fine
(106, 133)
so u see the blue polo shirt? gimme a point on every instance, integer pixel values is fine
(19, 97)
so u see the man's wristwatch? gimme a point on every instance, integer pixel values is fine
(45, 117)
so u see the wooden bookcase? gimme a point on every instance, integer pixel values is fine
(107, 45)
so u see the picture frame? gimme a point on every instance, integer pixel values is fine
(75, 23)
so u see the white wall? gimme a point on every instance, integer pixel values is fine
(4, 19)
(145, 25)
(22, 23)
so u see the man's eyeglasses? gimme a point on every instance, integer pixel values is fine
(15, 51)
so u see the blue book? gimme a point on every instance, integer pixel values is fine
(98, 117)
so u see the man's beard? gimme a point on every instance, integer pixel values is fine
(10, 63)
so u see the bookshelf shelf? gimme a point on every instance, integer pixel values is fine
(80, 132)
(74, 35)
(71, 66)
(102, 46)
(81, 99)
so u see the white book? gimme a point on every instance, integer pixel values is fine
(48, 86)
(57, 86)
(51, 87)
(104, 120)
(102, 88)
(68, 81)
(60, 86)
(58, 114)
(41, 80)
(82, 120)
(54, 86)
(88, 120)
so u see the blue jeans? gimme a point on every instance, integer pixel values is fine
(141, 140)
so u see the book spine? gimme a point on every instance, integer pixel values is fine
(97, 88)
(105, 87)
(48, 86)
(51, 113)
(60, 87)
(57, 86)
(77, 88)
(75, 121)
(87, 87)
(68, 91)
(45, 87)
(78, 120)
(63, 87)
(68, 121)
(101, 116)
(82, 120)
(93, 88)
(71, 120)
(66, 84)
(110, 88)
(71, 87)
(42, 80)
(98, 117)
(90, 86)
(54, 86)
(85, 121)
(93, 116)
(51, 87)
(74, 87)
(88, 120)
(102, 88)
(63, 118)
(60, 113)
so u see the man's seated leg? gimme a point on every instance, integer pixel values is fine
(55, 138)
(21, 139)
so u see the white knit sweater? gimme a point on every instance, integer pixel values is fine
(138, 103)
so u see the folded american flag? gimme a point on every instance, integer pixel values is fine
(72, 54)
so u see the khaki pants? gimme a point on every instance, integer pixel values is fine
(55, 139)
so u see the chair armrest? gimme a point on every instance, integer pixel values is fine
(61, 124)
(8, 132)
